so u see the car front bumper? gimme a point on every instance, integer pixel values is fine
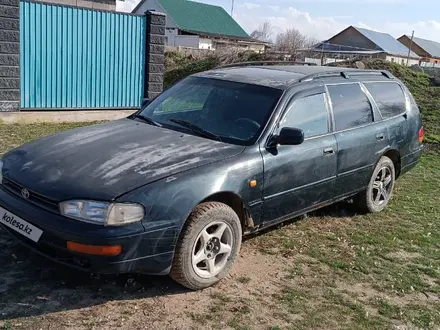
(146, 247)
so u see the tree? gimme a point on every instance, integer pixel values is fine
(264, 32)
(290, 41)
(309, 44)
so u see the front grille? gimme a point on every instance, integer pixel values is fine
(34, 197)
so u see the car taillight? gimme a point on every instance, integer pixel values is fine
(421, 135)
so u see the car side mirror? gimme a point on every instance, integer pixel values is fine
(288, 137)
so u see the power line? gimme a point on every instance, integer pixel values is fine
(232, 8)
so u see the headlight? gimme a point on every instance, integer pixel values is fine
(107, 214)
(1, 171)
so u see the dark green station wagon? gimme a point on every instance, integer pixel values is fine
(173, 188)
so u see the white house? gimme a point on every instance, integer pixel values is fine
(198, 25)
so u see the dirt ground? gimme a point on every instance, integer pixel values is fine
(42, 294)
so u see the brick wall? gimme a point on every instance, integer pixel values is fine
(155, 59)
(9, 55)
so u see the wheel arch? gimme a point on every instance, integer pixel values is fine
(235, 202)
(394, 155)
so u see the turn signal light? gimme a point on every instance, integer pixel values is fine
(421, 135)
(111, 250)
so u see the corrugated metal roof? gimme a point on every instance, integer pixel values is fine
(200, 17)
(431, 47)
(386, 42)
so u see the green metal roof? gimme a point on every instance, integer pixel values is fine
(199, 17)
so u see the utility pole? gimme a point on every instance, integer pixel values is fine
(232, 9)
(409, 51)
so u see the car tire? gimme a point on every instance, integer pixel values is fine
(380, 188)
(208, 246)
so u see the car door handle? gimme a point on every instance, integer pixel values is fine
(380, 136)
(329, 151)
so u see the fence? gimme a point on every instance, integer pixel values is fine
(77, 58)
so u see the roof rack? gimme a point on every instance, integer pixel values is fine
(264, 63)
(346, 74)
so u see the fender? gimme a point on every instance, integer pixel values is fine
(172, 199)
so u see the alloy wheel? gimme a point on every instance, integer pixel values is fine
(382, 186)
(212, 249)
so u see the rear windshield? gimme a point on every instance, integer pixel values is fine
(389, 98)
(235, 112)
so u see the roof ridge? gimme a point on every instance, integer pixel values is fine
(198, 3)
(423, 39)
(360, 28)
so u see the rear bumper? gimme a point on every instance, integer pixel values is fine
(411, 160)
(146, 247)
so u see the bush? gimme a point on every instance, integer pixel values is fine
(179, 66)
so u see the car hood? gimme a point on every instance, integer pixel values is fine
(104, 161)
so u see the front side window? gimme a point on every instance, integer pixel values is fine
(234, 112)
(351, 107)
(309, 114)
(389, 98)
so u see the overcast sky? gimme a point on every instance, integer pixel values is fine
(323, 18)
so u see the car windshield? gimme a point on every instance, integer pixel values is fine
(228, 111)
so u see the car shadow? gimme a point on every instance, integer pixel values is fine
(30, 285)
(344, 209)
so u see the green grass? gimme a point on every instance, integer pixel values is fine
(367, 271)
(244, 279)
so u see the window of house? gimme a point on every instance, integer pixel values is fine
(351, 107)
(392, 59)
(403, 61)
(309, 114)
(389, 98)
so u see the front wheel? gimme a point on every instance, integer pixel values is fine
(208, 246)
(380, 189)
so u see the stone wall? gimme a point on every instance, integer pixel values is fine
(9, 55)
(155, 59)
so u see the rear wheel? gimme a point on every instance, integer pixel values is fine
(380, 188)
(208, 246)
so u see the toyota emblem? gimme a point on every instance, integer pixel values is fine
(25, 193)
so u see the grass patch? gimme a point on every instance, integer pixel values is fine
(243, 279)
(366, 271)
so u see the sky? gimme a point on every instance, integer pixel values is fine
(322, 19)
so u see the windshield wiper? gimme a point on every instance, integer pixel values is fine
(196, 129)
(148, 120)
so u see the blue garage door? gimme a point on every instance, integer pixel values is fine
(77, 58)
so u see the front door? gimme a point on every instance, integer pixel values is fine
(298, 177)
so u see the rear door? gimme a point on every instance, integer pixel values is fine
(360, 135)
(392, 104)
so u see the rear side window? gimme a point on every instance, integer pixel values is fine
(389, 98)
(351, 106)
(309, 114)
